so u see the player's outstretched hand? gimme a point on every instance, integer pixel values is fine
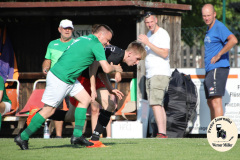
(118, 93)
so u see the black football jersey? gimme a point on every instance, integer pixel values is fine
(113, 53)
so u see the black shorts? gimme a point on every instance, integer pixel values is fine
(59, 115)
(215, 82)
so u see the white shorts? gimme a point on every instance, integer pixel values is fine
(56, 90)
(8, 107)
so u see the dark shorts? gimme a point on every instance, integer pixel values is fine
(59, 115)
(215, 82)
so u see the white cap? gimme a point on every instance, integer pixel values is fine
(66, 23)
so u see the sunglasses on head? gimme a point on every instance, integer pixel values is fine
(148, 14)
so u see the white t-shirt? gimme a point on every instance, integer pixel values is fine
(156, 65)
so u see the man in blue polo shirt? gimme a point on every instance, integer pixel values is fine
(218, 41)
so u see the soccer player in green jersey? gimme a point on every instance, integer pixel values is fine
(62, 80)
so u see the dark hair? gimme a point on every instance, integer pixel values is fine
(100, 27)
(94, 27)
(148, 14)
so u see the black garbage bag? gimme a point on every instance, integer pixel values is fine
(180, 103)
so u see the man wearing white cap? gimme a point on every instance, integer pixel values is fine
(54, 52)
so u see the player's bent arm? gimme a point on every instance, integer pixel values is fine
(92, 74)
(107, 68)
(46, 66)
(104, 78)
(232, 40)
(93, 69)
(163, 52)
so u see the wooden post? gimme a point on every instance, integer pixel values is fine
(194, 53)
(172, 24)
(183, 57)
(141, 94)
(188, 57)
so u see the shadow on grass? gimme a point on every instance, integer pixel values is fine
(110, 144)
(79, 146)
(65, 146)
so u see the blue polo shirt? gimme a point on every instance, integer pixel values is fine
(214, 41)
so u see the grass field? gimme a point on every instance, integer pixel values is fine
(126, 149)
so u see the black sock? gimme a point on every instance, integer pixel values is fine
(102, 122)
(162, 134)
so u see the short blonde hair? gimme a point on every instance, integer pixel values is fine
(137, 48)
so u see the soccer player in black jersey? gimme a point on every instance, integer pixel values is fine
(131, 56)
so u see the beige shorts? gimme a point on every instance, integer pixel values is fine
(156, 88)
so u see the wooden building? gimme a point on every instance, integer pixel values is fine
(32, 25)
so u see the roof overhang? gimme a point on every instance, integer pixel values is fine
(88, 8)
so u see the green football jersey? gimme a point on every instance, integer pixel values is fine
(2, 88)
(78, 56)
(55, 49)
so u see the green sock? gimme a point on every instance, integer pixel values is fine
(0, 121)
(80, 117)
(35, 124)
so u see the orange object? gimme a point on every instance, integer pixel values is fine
(119, 112)
(203, 76)
(65, 108)
(12, 95)
(33, 111)
(96, 144)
